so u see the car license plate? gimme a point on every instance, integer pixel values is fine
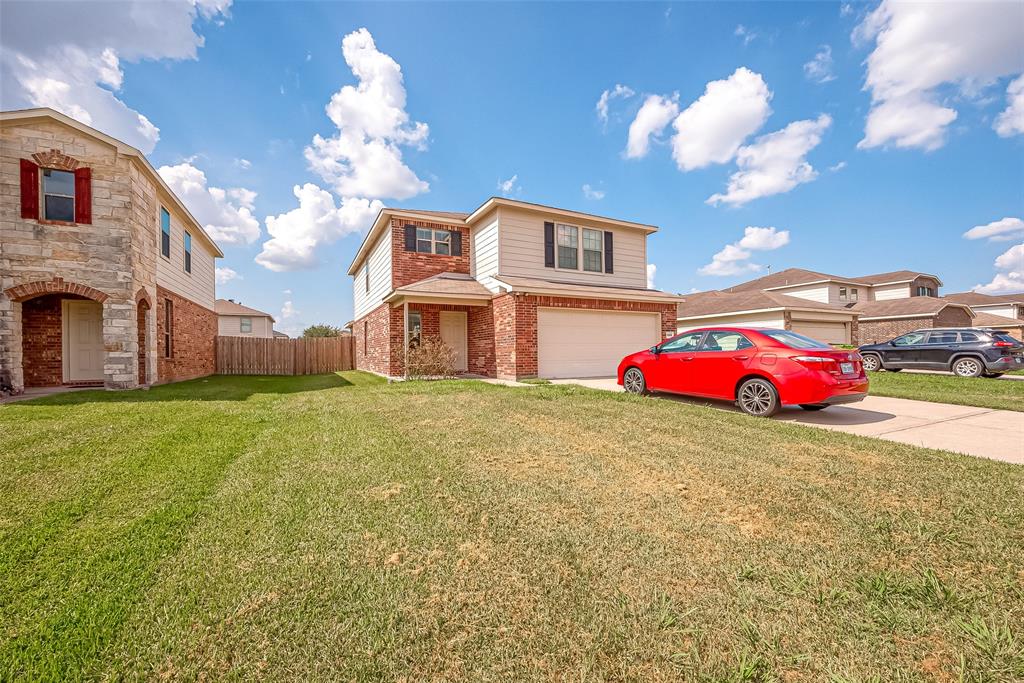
(846, 368)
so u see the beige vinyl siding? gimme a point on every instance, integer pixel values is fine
(231, 326)
(773, 320)
(379, 262)
(886, 292)
(819, 293)
(521, 251)
(483, 263)
(199, 285)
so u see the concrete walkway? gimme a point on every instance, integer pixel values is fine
(996, 434)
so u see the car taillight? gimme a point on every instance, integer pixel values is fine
(818, 363)
(1003, 344)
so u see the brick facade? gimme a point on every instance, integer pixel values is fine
(411, 266)
(193, 338)
(877, 331)
(42, 332)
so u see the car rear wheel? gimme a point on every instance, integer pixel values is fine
(758, 397)
(872, 362)
(968, 367)
(633, 382)
(991, 375)
(814, 406)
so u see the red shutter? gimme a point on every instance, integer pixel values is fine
(83, 195)
(29, 189)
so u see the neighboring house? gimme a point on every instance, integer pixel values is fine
(236, 320)
(516, 289)
(280, 335)
(105, 277)
(880, 306)
(1003, 311)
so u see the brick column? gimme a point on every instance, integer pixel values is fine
(120, 341)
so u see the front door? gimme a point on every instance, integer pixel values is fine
(83, 341)
(720, 362)
(672, 367)
(453, 333)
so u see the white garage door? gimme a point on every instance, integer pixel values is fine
(830, 332)
(580, 343)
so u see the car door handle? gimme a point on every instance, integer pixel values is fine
(741, 357)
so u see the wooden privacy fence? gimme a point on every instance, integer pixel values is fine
(255, 356)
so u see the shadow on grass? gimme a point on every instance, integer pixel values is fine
(213, 388)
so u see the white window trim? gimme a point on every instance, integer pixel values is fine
(186, 248)
(434, 241)
(43, 194)
(580, 250)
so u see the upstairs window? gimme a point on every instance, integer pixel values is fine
(165, 232)
(188, 252)
(925, 291)
(58, 195)
(842, 294)
(245, 325)
(366, 278)
(433, 241)
(568, 247)
(593, 250)
(853, 294)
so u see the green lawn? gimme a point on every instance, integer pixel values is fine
(977, 391)
(335, 528)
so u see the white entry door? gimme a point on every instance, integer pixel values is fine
(83, 341)
(453, 333)
(589, 343)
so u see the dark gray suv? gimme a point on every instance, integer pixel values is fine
(965, 351)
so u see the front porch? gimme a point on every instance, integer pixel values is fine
(64, 334)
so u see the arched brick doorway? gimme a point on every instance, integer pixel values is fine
(61, 333)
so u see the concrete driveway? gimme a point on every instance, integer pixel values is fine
(996, 434)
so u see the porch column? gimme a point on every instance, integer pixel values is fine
(405, 339)
(120, 340)
(11, 363)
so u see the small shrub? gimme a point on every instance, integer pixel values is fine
(431, 359)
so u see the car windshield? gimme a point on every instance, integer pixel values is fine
(794, 340)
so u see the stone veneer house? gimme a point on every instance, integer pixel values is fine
(516, 289)
(106, 279)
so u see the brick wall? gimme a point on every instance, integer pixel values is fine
(372, 334)
(480, 321)
(194, 333)
(411, 266)
(42, 336)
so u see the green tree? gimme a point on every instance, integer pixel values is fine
(321, 330)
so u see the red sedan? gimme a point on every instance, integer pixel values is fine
(760, 369)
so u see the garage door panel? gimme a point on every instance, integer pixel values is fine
(830, 332)
(585, 343)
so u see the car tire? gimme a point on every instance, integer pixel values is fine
(968, 366)
(757, 397)
(814, 406)
(633, 382)
(991, 375)
(871, 362)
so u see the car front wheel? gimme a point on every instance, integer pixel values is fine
(872, 362)
(758, 397)
(968, 367)
(633, 382)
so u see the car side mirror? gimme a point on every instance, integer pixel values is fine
(655, 350)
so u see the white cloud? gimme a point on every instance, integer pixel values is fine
(1011, 279)
(618, 92)
(68, 56)
(287, 311)
(734, 259)
(1008, 228)
(652, 270)
(837, 167)
(1011, 120)
(364, 158)
(654, 115)
(711, 129)
(507, 187)
(745, 33)
(922, 46)
(243, 164)
(820, 69)
(592, 193)
(1012, 258)
(774, 163)
(225, 275)
(297, 234)
(226, 214)
(845, 9)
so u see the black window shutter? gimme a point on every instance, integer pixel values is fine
(609, 257)
(410, 238)
(456, 243)
(549, 245)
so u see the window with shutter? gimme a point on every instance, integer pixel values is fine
(58, 195)
(29, 189)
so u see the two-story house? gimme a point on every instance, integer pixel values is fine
(236, 320)
(106, 279)
(1004, 311)
(516, 289)
(833, 308)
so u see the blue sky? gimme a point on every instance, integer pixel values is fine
(872, 169)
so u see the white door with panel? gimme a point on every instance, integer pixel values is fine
(574, 342)
(83, 341)
(453, 333)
